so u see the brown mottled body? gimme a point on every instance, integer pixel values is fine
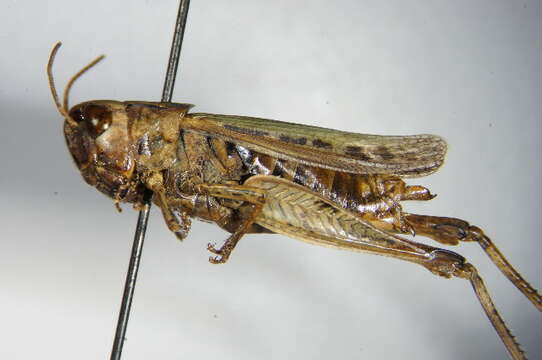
(187, 158)
(374, 197)
(250, 175)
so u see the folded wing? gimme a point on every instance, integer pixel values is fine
(404, 156)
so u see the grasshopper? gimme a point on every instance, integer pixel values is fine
(249, 175)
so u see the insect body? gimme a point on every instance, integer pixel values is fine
(250, 175)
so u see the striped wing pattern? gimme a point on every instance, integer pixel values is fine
(405, 156)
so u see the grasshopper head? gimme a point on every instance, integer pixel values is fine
(98, 138)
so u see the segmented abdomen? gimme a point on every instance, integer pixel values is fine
(350, 191)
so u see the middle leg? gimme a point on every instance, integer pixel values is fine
(254, 200)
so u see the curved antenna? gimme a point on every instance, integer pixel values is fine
(77, 76)
(63, 108)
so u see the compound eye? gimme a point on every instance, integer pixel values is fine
(97, 118)
(76, 114)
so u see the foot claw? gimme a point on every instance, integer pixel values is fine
(217, 260)
(213, 249)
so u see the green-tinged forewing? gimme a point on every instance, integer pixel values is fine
(407, 156)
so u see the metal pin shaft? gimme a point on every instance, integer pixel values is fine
(143, 217)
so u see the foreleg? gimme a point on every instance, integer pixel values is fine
(178, 222)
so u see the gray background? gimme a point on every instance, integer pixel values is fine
(466, 70)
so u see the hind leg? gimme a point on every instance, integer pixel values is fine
(451, 231)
